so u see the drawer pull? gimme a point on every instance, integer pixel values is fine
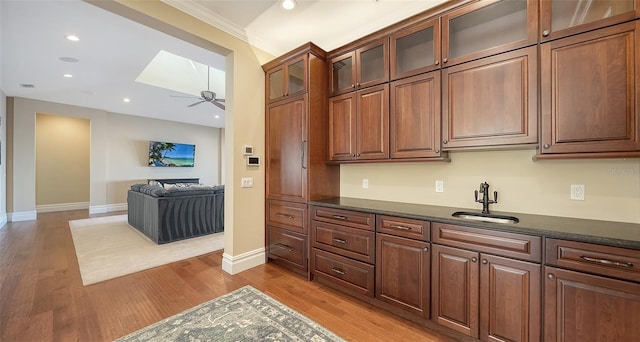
(339, 240)
(395, 226)
(339, 271)
(290, 217)
(606, 262)
(339, 217)
(283, 246)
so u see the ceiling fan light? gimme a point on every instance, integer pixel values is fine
(288, 4)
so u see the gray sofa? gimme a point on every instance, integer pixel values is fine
(181, 212)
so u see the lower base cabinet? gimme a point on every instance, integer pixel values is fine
(584, 307)
(485, 296)
(288, 249)
(402, 273)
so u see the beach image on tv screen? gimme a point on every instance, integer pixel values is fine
(165, 154)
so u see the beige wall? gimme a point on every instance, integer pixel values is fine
(62, 159)
(612, 186)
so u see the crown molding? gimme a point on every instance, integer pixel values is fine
(206, 15)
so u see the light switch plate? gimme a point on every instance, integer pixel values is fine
(247, 183)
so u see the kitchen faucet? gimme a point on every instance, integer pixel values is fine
(484, 190)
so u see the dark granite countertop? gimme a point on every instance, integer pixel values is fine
(618, 234)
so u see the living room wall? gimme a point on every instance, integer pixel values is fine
(119, 147)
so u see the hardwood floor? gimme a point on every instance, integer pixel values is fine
(42, 297)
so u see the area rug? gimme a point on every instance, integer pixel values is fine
(245, 314)
(108, 247)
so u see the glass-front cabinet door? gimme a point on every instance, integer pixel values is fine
(488, 27)
(560, 18)
(415, 50)
(288, 79)
(363, 67)
(343, 73)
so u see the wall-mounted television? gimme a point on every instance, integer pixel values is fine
(166, 154)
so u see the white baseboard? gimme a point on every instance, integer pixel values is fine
(3, 220)
(238, 263)
(47, 208)
(103, 209)
(23, 216)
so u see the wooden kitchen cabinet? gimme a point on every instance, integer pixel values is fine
(488, 27)
(561, 18)
(403, 273)
(482, 290)
(359, 125)
(491, 102)
(415, 50)
(287, 79)
(296, 134)
(343, 249)
(415, 126)
(589, 94)
(366, 66)
(584, 307)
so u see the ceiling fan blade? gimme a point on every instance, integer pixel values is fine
(217, 104)
(186, 97)
(220, 100)
(196, 103)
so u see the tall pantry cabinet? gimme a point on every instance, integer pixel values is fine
(296, 135)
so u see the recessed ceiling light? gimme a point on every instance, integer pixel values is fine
(67, 75)
(72, 38)
(126, 99)
(69, 59)
(288, 4)
(217, 116)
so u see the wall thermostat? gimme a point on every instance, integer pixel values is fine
(248, 150)
(253, 160)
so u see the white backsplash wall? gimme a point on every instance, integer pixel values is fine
(612, 186)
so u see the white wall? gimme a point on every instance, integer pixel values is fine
(119, 150)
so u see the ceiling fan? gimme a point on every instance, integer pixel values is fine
(206, 96)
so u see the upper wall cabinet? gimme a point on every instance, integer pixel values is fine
(561, 18)
(366, 66)
(415, 50)
(589, 93)
(488, 27)
(492, 101)
(287, 79)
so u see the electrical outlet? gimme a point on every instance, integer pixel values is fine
(439, 186)
(247, 183)
(577, 192)
(365, 183)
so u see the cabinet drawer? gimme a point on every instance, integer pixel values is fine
(352, 275)
(287, 246)
(413, 229)
(354, 243)
(511, 245)
(287, 215)
(349, 218)
(603, 260)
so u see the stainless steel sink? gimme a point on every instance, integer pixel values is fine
(485, 217)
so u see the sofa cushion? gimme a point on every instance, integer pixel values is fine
(189, 191)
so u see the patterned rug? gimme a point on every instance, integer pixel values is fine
(242, 315)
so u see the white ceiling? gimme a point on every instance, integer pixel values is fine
(113, 51)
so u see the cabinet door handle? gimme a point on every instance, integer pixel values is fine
(303, 162)
(338, 217)
(474, 259)
(445, 141)
(285, 247)
(444, 60)
(339, 271)
(426, 249)
(485, 261)
(545, 33)
(546, 145)
(339, 240)
(436, 62)
(551, 276)
(395, 226)
(290, 217)
(606, 262)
